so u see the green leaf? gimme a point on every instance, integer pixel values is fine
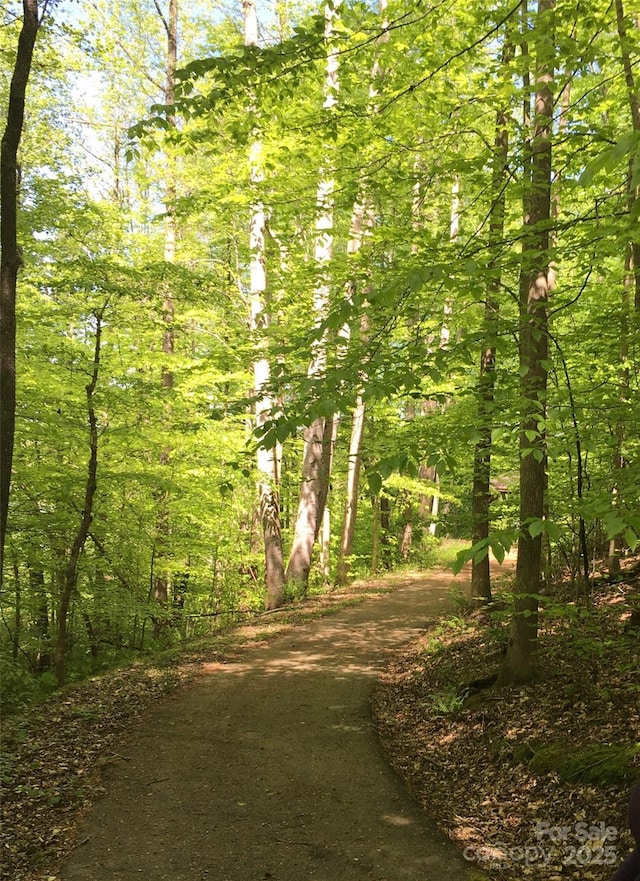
(613, 524)
(375, 482)
(498, 551)
(536, 527)
(283, 430)
(553, 530)
(631, 538)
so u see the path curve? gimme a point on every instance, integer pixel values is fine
(269, 767)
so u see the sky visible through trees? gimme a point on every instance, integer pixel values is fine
(326, 295)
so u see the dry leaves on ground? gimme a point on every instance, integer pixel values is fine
(467, 751)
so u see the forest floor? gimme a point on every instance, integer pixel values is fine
(532, 782)
(266, 763)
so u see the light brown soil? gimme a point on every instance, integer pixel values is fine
(269, 767)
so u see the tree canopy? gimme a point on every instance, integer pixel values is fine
(442, 202)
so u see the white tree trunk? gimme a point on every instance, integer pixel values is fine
(315, 466)
(362, 221)
(445, 331)
(269, 501)
(351, 500)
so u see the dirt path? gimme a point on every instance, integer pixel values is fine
(270, 768)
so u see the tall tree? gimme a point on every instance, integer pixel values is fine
(481, 490)
(634, 105)
(631, 279)
(267, 461)
(161, 585)
(10, 256)
(314, 486)
(70, 579)
(520, 664)
(362, 220)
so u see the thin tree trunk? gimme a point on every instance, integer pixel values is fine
(315, 473)
(405, 539)
(375, 534)
(385, 531)
(330, 437)
(38, 591)
(362, 215)
(634, 107)
(630, 283)
(161, 587)
(481, 492)
(351, 500)
(520, 664)
(445, 331)
(362, 220)
(435, 504)
(70, 579)
(10, 257)
(17, 613)
(267, 461)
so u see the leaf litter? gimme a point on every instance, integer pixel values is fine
(468, 750)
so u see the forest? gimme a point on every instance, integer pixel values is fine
(299, 302)
(291, 293)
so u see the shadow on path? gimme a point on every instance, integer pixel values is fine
(270, 767)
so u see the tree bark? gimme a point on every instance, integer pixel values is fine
(267, 462)
(362, 219)
(445, 332)
(17, 613)
(385, 531)
(330, 437)
(162, 585)
(71, 569)
(481, 491)
(38, 591)
(310, 506)
(10, 256)
(630, 283)
(521, 664)
(634, 107)
(315, 473)
(351, 499)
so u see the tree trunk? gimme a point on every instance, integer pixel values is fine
(162, 586)
(267, 462)
(405, 539)
(631, 281)
(481, 492)
(330, 437)
(445, 330)
(385, 531)
(362, 218)
(626, 48)
(315, 474)
(375, 534)
(310, 507)
(10, 258)
(520, 664)
(71, 570)
(351, 499)
(17, 613)
(37, 589)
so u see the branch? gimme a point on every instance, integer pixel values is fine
(164, 21)
(451, 58)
